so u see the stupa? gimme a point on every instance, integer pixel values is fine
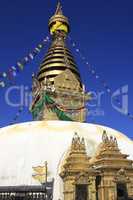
(58, 156)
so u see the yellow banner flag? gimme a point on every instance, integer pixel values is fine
(41, 170)
(40, 178)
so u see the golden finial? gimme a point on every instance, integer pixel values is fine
(105, 137)
(78, 144)
(59, 9)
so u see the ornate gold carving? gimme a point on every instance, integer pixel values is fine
(109, 167)
(109, 142)
(78, 144)
(68, 79)
(109, 149)
(82, 178)
(77, 160)
(121, 176)
(76, 170)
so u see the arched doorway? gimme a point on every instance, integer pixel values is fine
(81, 192)
(122, 193)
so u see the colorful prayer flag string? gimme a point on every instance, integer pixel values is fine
(12, 72)
(21, 108)
(17, 115)
(94, 74)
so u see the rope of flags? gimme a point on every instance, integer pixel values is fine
(95, 75)
(7, 77)
(20, 111)
(17, 115)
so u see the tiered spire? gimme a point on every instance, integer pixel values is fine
(58, 58)
(59, 78)
(77, 160)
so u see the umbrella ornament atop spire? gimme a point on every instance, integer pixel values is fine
(58, 22)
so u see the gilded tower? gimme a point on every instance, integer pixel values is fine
(58, 92)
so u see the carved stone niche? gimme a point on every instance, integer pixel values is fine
(121, 176)
(82, 179)
(123, 184)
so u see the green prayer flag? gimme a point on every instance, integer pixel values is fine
(46, 99)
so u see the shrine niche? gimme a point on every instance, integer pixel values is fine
(122, 192)
(121, 176)
(81, 192)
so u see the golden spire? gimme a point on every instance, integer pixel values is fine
(59, 58)
(59, 76)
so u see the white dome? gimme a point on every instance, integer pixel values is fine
(28, 145)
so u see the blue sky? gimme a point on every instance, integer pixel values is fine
(103, 32)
